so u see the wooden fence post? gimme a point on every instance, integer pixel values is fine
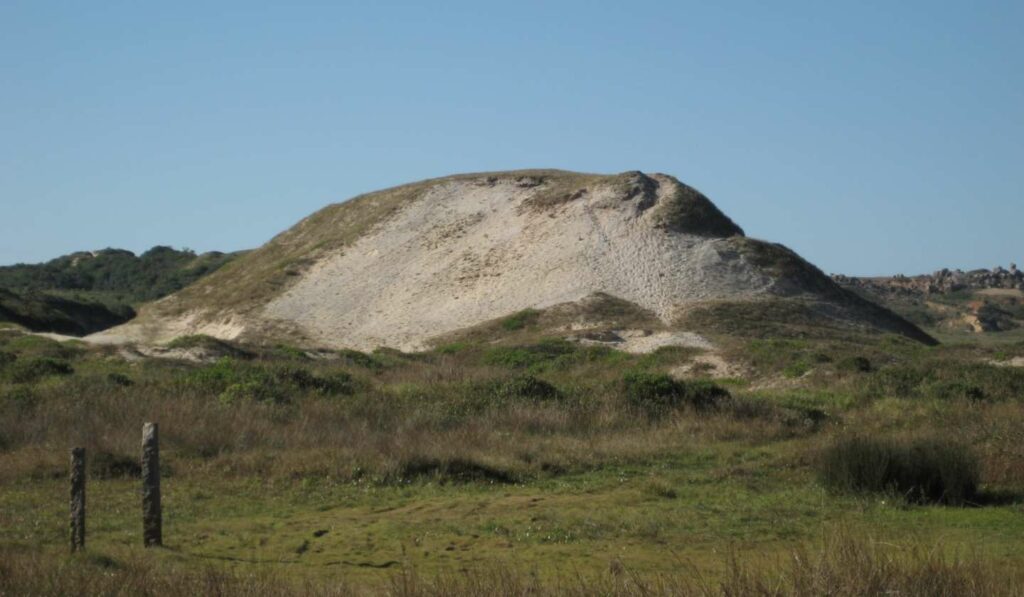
(77, 499)
(152, 525)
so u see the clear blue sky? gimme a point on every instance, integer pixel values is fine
(872, 137)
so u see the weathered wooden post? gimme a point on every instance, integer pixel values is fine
(152, 525)
(77, 499)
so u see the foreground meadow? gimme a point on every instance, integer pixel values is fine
(528, 466)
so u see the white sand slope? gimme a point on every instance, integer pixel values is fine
(464, 253)
(410, 264)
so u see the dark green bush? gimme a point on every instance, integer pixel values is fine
(457, 470)
(234, 380)
(453, 348)
(361, 359)
(520, 320)
(34, 369)
(856, 364)
(221, 374)
(522, 387)
(336, 383)
(120, 379)
(657, 393)
(6, 358)
(947, 390)
(531, 355)
(928, 470)
(290, 352)
(796, 369)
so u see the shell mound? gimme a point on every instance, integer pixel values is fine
(406, 266)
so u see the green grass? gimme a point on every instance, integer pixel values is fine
(353, 467)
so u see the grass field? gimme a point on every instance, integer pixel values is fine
(543, 467)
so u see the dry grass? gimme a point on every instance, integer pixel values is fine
(428, 426)
(846, 565)
(373, 434)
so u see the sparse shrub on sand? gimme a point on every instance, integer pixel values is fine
(520, 320)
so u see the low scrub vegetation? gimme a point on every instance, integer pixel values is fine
(35, 369)
(657, 394)
(520, 320)
(233, 380)
(397, 471)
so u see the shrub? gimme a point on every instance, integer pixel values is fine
(522, 387)
(453, 348)
(946, 390)
(221, 374)
(520, 320)
(336, 383)
(233, 380)
(796, 369)
(456, 470)
(361, 359)
(6, 358)
(120, 379)
(856, 364)
(290, 352)
(927, 470)
(32, 370)
(529, 356)
(656, 393)
(462, 400)
(253, 391)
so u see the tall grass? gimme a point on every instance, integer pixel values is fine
(919, 470)
(374, 416)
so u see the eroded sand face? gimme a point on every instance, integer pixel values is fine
(465, 253)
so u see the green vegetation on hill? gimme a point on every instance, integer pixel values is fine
(86, 292)
(115, 273)
(42, 312)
